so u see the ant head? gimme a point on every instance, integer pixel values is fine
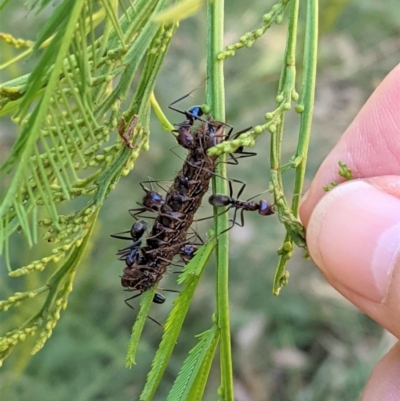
(153, 198)
(188, 250)
(266, 209)
(132, 258)
(194, 112)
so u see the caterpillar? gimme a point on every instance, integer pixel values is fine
(175, 212)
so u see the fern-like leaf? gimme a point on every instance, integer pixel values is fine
(190, 276)
(67, 109)
(192, 378)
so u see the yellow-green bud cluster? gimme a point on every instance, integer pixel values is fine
(12, 338)
(51, 322)
(52, 318)
(18, 297)
(345, 171)
(161, 42)
(39, 265)
(17, 43)
(70, 225)
(246, 140)
(248, 39)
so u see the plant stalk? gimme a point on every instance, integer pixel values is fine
(215, 97)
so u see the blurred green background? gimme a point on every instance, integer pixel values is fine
(308, 343)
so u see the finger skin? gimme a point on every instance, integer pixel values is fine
(342, 249)
(384, 383)
(370, 147)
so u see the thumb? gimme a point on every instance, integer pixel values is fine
(354, 237)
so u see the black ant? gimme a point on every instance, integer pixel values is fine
(220, 200)
(130, 254)
(193, 114)
(185, 137)
(152, 201)
(186, 252)
(157, 299)
(136, 232)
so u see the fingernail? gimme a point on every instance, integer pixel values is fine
(354, 237)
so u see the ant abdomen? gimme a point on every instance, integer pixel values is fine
(138, 229)
(219, 200)
(158, 298)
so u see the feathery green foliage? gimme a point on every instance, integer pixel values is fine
(190, 276)
(192, 378)
(66, 109)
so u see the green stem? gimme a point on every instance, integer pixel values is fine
(285, 90)
(307, 98)
(306, 103)
(165, 124)
(215, 98)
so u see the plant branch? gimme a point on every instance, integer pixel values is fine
(215, 98)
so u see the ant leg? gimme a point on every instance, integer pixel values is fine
(196, 234)
(136, 244)
(232, 160)
(240, 149)
(241, 190)
(234, 217)
(241, 219)
(119, 237)
(133, 297)
(151, 181)
(176, 154)
(185, 96)
(191, 164)
(231, 189)
(149, 317)
(227, 136)
(139, 212)
(243, 155)
(232, 225)
(211, 217)
(178, 100)
(170, 262)
(194, 113)
(164, 289)
(144, 217)
(242, 132)
(229, 180)
(255, 196)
